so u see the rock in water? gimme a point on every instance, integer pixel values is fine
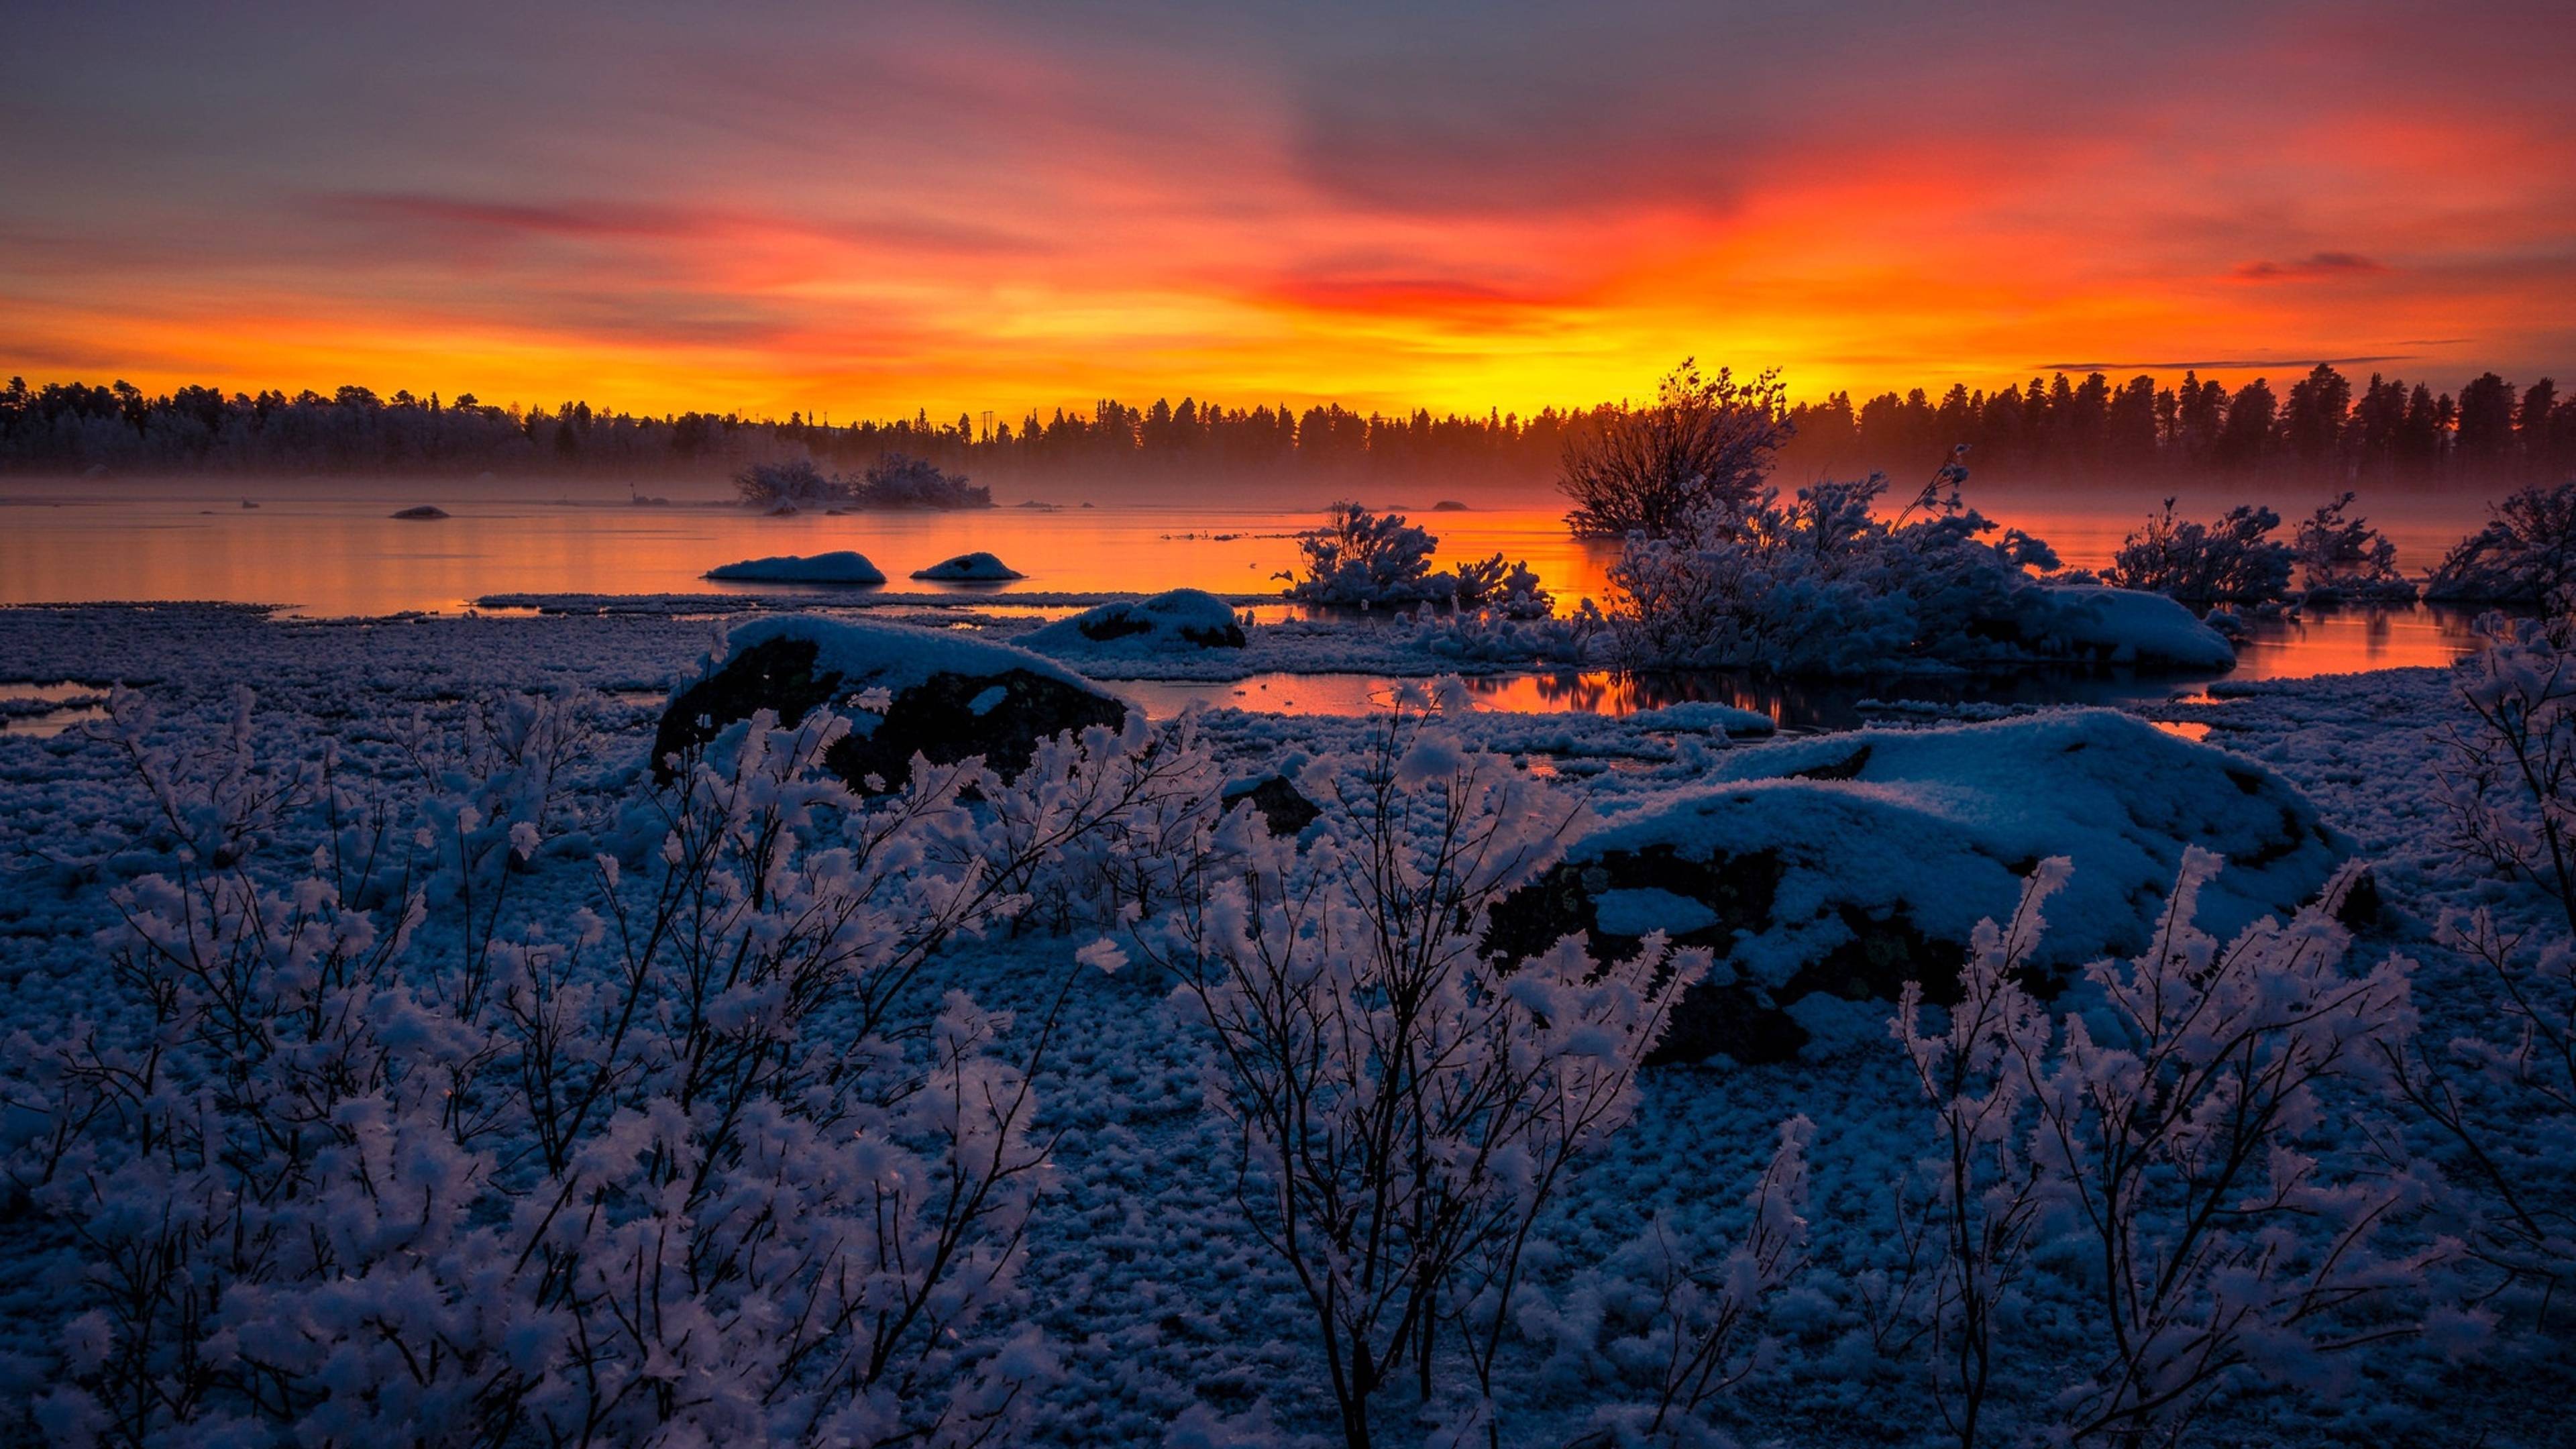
(1181, 619)
(949, 697)
(1831, 870)
(969, 568)
(423, 512)
(842, 566)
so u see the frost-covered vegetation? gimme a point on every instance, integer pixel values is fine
(894, 481)
(2526, 556)
(394, 1060)
(1703, 444)
(1822, 585)
(1372, 560)
(2234, 560)
(2340, 556)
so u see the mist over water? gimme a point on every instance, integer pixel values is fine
(331, 548)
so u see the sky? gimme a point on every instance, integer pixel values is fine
(877, 209)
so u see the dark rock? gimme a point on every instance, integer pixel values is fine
(948, 698)
(1282, 807)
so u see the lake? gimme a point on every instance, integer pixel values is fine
(331, 548)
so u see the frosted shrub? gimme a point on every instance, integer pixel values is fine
(794, 483)
(2234, 560)
(2511, 778)
(1820, 586)
(2525, 556)
(2346, 557)
(1688, 1329)
(1364, 559)
(1703, 444)
(1406, 1106)
(2507, 1102)
(2501, 1101)
(2169, 1133)
(704, 1162)
(1488, 636)
(1984, 1211)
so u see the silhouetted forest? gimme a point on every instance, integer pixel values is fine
(2323, 427)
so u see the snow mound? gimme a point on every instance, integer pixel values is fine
(904, 690)
(1182, 618)
(2122, 626)
(841, 566)
(969, 568)
(1847, 864)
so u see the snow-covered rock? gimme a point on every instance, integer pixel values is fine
(904, 690)
(1180, 619)
(842, 566)
(969, 568)
(2121, 626)
(1847, 864)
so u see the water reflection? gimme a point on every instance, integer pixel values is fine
(2340, 642)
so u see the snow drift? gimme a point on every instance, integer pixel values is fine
(1838, 867)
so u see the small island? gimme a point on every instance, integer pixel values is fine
(894, 482)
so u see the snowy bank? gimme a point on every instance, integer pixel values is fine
(2120, 626)
(842, 566)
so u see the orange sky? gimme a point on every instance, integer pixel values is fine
(870, 210)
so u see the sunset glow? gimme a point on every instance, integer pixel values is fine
(869, 212)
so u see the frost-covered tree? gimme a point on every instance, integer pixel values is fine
(1703, 443)
(1406, 1105)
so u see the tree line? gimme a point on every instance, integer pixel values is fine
(2060, 429)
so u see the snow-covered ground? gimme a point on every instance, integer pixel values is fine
(1160, 1305)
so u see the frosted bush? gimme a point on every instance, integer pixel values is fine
(706, 1161)
(1406, 1106)
(2345, 557)
(2511, 775)
(1703, 444)
(1819, 585)
(1364, 559)
(1488, 636)
(2162, 1141)
(2234, 560)
(1686, 1328)
(2525, 556)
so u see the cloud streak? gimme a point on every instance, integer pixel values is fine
(964, 206)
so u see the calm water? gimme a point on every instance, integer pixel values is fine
(329, 547)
